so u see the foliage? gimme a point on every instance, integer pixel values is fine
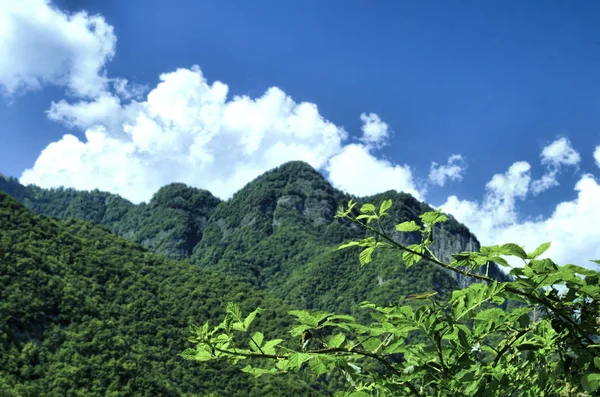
(279, 233)
(170, 224)
(547, 345)
(85, 313)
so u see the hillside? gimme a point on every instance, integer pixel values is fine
(170, 224)
(277, 233)
(83, 312)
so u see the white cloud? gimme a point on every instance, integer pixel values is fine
(40, 44)
(572, 227)
(597, 155)
(554, 156)
(499, 205)
(185, 131)
(104, 110)
(375, 131)
(188, 131)
(453, 170)
(560, 152)
(547, 181)
(358, 172)
(126, 90)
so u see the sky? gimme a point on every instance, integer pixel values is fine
(487, 110)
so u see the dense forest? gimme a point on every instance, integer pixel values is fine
(96, 293)
(83, 312)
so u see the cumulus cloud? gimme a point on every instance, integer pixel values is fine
(357, 171)
(554, 156)
(453, 170)
(105, 110)
(499, 203)
(40, 44)
(127, 90)
(560, 152)
(597, 155)
(572, 227)
(186, 131)
(375, 131)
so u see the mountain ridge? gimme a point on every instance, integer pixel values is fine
(278, 232)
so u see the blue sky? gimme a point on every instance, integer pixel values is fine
(494, 84)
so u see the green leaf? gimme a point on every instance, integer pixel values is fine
(365, 256)
(234, 310)
(596, 261)
(345, 317)
(297, 359)
(238, 326)
(256, 341)
(299, 329)
(597, 362)
(529, 346)
(490, 314)
(590, 382)
(396, 347)
(410, 258)
(368, 242)
(188, 354)
(385, 205)
(580, 270)
(367, 208)
(322, 318)
(539, 250)
(350, 244)
(317, 364)
(269, 346)
(251, 317)
(514, 250)
(336, 340)
(258, 371)
(433, 217)
(283, 365)
(425, 295)
(500, 261)
(304, 317)
(202, 355)
(408, 226)
(543, 266)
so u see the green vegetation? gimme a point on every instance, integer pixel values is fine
(170, 224)
(104, 300)
(279, 233)
(85, 313)
(548, 345)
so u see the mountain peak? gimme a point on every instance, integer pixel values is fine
(296, 165)
(293, 170)
(177, 195)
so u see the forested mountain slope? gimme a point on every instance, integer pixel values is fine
(170, 224)
(85, 313)
(277, 233)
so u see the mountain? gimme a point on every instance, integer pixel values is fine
(171, 223)
(84, 312)
(277, 233)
